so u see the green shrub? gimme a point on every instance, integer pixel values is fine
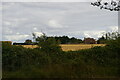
(49, 61)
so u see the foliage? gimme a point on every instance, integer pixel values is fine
(19, 62)
(67, 40)
(63, 39)
(101, 40)
(108, 36)
(48, 45)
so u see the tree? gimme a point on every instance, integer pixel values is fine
(75, 41)
(34, 36)
(101, 40)
(108, 36)
(113, 5)
(48, 45)
(64, 39)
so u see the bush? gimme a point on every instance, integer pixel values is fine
(49, 61)
(48, 45)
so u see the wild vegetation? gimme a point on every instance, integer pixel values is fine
(49, 61)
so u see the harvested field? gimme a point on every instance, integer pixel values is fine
(70, 47)
(74, 47)
(30, 46)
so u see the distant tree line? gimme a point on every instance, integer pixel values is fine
(61, 40)
(67, 40)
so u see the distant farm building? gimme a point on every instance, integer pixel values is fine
(89, 41)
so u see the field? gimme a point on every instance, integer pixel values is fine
(74, 47)
(30, 46)
(70, 47)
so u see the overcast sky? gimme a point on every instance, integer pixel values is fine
(73, 19)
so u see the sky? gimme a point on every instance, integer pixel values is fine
(73, 19)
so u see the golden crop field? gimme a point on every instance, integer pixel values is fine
(70, 47)
(28, 46)
(74, 47)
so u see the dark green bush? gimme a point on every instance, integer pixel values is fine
(49, 61)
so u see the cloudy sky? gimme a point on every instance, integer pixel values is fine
(73, 19)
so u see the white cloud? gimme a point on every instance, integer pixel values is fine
(38, 34)
(93, 34)
(7, 30)
(16, 37)
(99, 33)
(86, 34)
(6, 23)
(34, 28)
(113, 28)
(54, 24)
(17, 33)
(10, 21)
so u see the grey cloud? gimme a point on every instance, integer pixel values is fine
(71, 19)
